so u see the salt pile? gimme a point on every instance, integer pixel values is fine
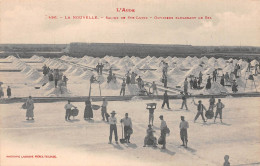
(86, 75)
(254, 62)
(111, 85)
(149, 75)
(33, 74)
(175, 71)
(26, 69)
(42, 80)
(62, 92)
(77, 71)
(100, 79)
(209, 71)
(49, 85)
(216, 88)
(194, 71)
(70, 69)
(132, 89)
(145, 67)
(229, 68)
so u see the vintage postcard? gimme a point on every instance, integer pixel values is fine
(129, 83)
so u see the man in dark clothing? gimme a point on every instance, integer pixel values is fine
(97, 68)
(165, 82)
(101, 66)
(165, 100)
(139, 81)
(9, 93)
(65, 80)
(211, 103)
(50, 77)
(123, 88)
(215, 75)
(184, 101)
(200, 108)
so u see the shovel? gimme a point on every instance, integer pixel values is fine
(122, 141)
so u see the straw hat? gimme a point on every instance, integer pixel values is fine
(113, 112)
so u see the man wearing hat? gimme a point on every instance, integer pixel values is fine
(200, 108)
(113, 128)
(184, 125)
(127, 127)
(219, 106)
(163, 133)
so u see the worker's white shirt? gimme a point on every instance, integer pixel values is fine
(104, 104)
(184, 125)
(127, 122)
(163, 124)
(68, 106)
(112, 120)
(220, 106)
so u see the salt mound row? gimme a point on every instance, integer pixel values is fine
(111, 85)
(86, 75)
(149, 75)
(175, 71)
(216, 88)
(57, 92)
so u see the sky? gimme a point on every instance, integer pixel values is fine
(233, 23)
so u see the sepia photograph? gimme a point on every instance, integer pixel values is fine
(129, 83)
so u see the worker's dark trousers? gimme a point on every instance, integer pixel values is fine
(122, 91)
(113, 128)
(198, 114)
(184, 103)
(218, 112)
(165, 102)
(215, 78)
(56, 82)
(127, 136)
(67, 116)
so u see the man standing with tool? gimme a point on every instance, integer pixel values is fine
(127, 127)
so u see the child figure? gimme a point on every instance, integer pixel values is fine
(226, 163)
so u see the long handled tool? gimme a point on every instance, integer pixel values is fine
(123, 140)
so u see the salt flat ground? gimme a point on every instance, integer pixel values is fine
(81, 142)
